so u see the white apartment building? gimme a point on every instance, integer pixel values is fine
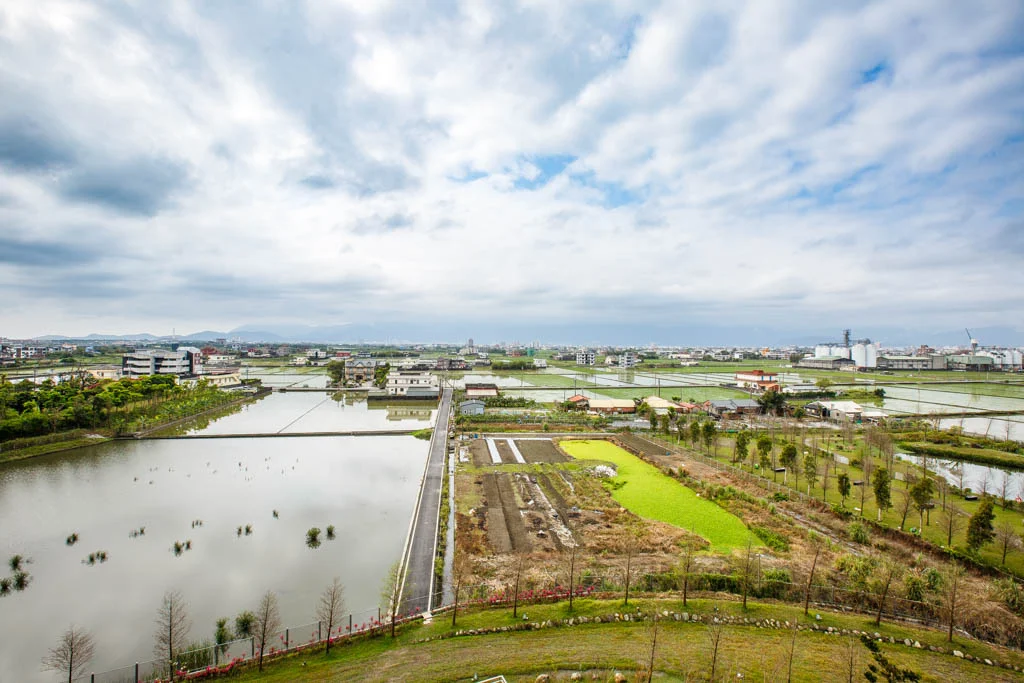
(627, 360)
(412, 384)
(585, 357)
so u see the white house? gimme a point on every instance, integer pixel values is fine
(412, 384)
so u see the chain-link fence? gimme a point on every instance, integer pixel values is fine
(198, 662)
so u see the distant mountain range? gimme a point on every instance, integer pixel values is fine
(569, 333)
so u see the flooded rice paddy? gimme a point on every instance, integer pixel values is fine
(365, 486)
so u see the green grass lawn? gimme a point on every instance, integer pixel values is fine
(682, 652)
(644, 490)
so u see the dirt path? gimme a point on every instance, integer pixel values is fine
(497, 528)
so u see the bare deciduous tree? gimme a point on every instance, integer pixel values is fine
(330, 607)
(903, 505)
(715, 632)
(268, 622)
(686, 565)
(630, 549)
(850, 658)
(654, 643)
(1004, 488)
(810, 577)
(515, 590)
(172, 626)
(791, 653)
(72, 653)
(460, 570)
(747, 569)
(953, 583)
(889, 571)
(951, 519)
(1006, 536)
(391, 592)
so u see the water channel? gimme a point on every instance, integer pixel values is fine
(365, 486)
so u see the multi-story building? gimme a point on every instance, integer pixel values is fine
(585, 357)
(360, 370)
(758, 380)
(186, 360)
(930, 362)
(627, 359)
(412, 384)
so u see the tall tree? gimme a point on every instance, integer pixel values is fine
(1006, 534)
(742, 446)
(685, 567)
(867, 466)
(747, 569)
(881, 486)
(979, 529)
(952, 520)
(810, 470)
(336, 371)
(709, 434)
(788, 460)
(764, 449)
(903, 505)
(922, 492)
(772, 402)
(460, 572)
(268, 622)
(390, 593)
(330, 607)
(71, 654)
(172, 626)
(843, 486)
(890, 570)
(810, 577)
(952, 579)
(695, 431)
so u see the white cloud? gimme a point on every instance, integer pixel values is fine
(360, 161)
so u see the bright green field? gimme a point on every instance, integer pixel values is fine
(653, 495)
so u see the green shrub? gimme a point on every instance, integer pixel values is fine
(858, 533)
(772, 539)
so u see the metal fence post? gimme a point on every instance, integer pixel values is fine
(216, 658)
(252, 644)
(92, 678)
(286, 632)
(350, 624)
(136, 672)
(319, 632)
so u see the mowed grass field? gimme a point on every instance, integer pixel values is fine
(644, 490)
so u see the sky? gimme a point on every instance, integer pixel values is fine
(578, 169)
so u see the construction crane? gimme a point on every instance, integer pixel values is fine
(974, 342)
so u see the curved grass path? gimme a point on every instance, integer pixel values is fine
(644, 490)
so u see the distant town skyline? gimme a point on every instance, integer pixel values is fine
(705, 172)
(567, 335)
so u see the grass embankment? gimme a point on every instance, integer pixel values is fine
(644, 490)
(984, 456)
(682, 650)
(47, 448)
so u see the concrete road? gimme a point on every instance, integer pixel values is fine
(419, 574)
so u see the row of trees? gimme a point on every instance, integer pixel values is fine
(28, 409)
(172, 648)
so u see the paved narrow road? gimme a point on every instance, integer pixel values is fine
(419, 572)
